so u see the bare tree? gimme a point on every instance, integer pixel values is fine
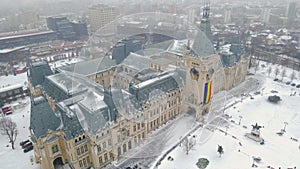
(188, 144)
(277, 71)
(9, 128)
(293, 75)
(269, 70)
(283, 74)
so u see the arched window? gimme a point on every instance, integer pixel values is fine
(119, 151)
(129, 145)
(124, 148)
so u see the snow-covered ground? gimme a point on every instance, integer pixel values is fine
(16, 159)
(278, 151)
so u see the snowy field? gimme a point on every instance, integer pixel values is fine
(278, 151)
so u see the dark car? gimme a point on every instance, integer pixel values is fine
(298, 86)
(26, 145)
(24, 142)
(293, 84)
(29, 148)
(274, 91)
(275, 80)
(288, 83)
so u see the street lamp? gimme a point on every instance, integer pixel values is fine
(285, 123)
(240, 119)
(226, 130)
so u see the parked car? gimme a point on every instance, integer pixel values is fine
(298, 86)
(6, 110)
(274, 91)
(275, 80)
(24, 142)
(26, 145)
(293, 84)
(29, 148)
(288, 83)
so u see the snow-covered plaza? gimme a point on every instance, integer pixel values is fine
(277, 151)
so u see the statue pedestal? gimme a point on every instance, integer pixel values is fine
(255, 135)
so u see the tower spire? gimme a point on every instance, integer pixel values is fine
(206, 9)
(205, 22)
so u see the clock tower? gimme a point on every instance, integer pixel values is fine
(198, 90)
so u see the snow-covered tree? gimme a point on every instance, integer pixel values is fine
(9, 128)
(283, 74)
(220, 150)
(293, 75)
(276, 72)
(269, 70)
(188, 144)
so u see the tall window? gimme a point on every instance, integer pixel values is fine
(100, 160)
(134, 128)
(99, 148)
(88, 160)
(129, 145)
(124, 148)
(80, 163)
(84, 162)
(105, 157)
(85, 148)
(54, 149)
(119, 151)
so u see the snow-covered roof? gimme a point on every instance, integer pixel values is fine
(11, 87)
(136, 61)
(90, 67)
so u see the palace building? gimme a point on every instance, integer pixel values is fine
(92, 113)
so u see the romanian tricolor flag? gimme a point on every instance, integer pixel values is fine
(207, 92)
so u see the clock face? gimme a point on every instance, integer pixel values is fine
(194, 74)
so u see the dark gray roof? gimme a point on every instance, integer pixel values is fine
(162, 45)
(67, 84)
(42, 118)
(162, 61)
(38, 71)
(158, 85)
(69, 124)
(136, 61)
(90, 67)
(150, 51)
(202, 46)
(91, 112)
